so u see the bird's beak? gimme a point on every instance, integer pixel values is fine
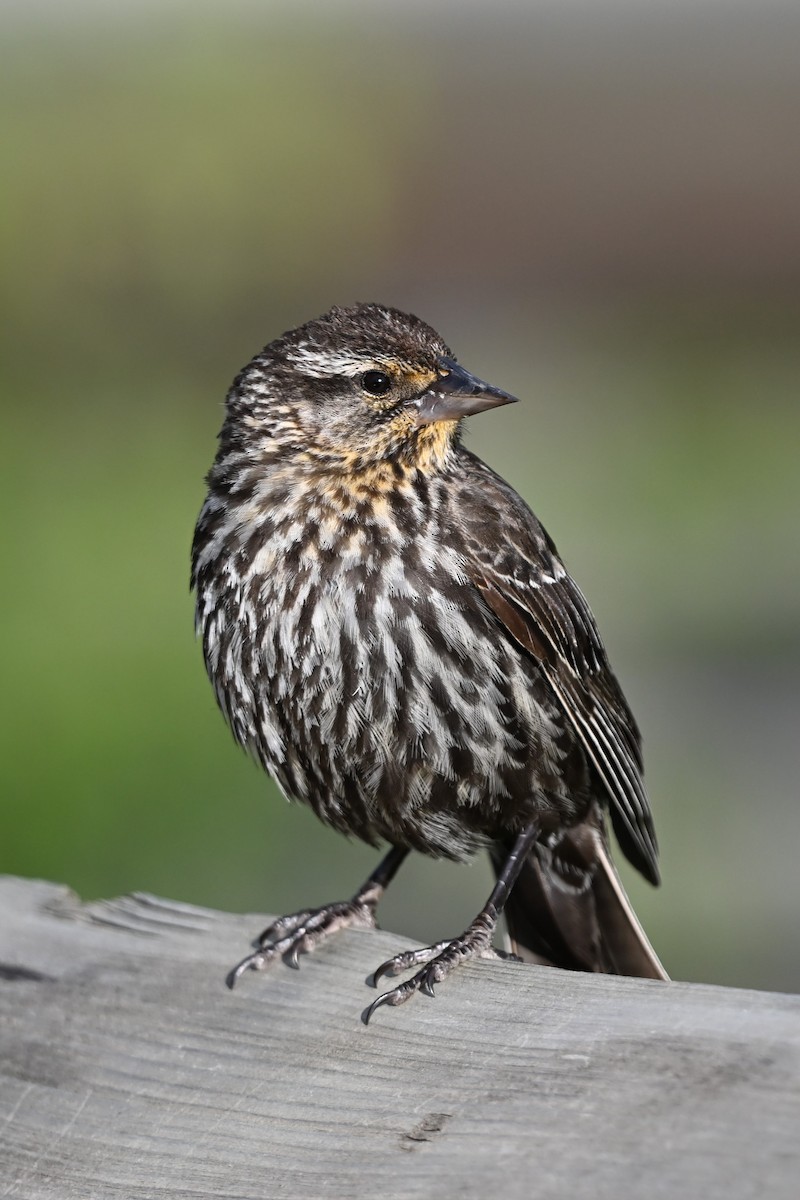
(455, 393)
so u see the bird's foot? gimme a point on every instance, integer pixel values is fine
(301, 932)
(437, 962)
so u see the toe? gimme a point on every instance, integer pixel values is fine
(281, 928)
(408, 959)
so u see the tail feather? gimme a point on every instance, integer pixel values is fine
(568, 909)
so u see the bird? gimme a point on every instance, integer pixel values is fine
(391, 633)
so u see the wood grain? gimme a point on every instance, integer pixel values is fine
(128, 1070)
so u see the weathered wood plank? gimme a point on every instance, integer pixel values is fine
(128, 1070)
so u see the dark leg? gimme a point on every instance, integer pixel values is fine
(475, 942)
(302, 932)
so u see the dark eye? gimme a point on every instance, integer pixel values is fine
(377, 383)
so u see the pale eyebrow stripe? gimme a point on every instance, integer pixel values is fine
(326, 362)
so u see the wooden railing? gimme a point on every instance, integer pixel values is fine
(128, 1070)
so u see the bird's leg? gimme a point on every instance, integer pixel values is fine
(301, 932)
(476, 941)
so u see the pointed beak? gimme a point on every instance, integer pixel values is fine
(456, 394)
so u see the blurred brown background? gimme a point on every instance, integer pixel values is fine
(598, 205)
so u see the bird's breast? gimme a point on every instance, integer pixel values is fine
(361, 667)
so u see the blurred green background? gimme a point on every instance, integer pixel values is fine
(598, 205)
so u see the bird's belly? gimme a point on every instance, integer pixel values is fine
(396, 712)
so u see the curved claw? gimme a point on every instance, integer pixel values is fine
(400, 994)
(384, 969)
(249, 963)
(392, 998)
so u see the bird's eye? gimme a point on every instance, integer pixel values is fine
(377, 383)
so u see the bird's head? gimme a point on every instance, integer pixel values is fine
(354, 388)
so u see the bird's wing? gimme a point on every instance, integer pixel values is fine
(517, 571)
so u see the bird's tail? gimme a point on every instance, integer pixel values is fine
(568, 908)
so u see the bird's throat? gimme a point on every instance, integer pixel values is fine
(433, 445)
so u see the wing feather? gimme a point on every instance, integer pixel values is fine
(520, 576)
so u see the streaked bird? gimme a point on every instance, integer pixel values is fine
(391, 633)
